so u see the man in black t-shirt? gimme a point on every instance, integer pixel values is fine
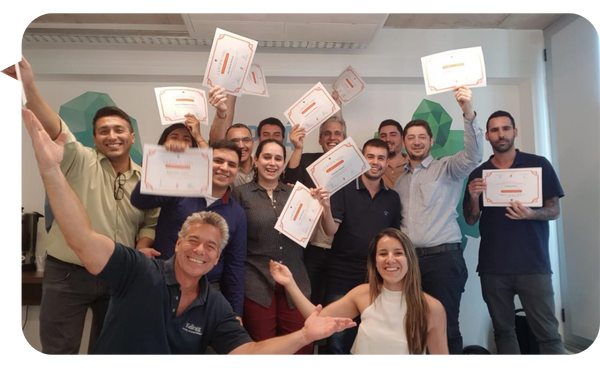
(513, 254)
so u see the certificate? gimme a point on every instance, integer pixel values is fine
(450, 69)
(175, 102)
(177, 174)
(18, 72)
(349, 85)
(505, 186)
(229, 61)
(256, 84)
(312, 109)
(300, 215)
(336, 168)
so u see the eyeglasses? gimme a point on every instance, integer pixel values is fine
(245, 140)
(118, 186)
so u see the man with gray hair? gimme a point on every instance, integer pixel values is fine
(331, 133)
(158, 307)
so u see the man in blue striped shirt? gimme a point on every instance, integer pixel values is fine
(430, 190)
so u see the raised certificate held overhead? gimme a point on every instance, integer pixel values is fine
(229, 62)
(349, 85)
(300, 215)
(447, 70)
(177, 174)
(175, 102)
(505, 186)
(339, 166)
(312, 109)
(256, 84)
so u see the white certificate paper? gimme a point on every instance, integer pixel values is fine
(256, 84)
(312, 109)
(504, 186)
(300, 215)
(177, 174)
(336, 168)
(175, 102)
(349, 85)
(450, 69)
(229, 62)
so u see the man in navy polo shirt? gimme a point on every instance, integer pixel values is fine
(513, 254)
(159, 307)
(355, 214)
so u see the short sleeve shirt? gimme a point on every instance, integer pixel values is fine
(142, 319)
(515, 246)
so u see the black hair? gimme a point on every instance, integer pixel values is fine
(391, 122)
(110, 111)
(169, 129)
(498, 114)
(271, 121)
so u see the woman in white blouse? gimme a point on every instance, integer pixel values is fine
(397, 317)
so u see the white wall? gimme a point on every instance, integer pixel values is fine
(390, 66)
(573, 77)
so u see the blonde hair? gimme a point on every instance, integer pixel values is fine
(417, 309)
(209, 218)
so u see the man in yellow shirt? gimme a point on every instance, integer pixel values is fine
(103, 180)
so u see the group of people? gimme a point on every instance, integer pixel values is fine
(383, 272)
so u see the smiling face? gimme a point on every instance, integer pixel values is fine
(243, 139)
(417, 143)
(113, 137)
(270, 162)
(198, 251)
(377, 158)
(331, 135)
(225, 168)
(390, 135)
(270, 131)
(391, 263)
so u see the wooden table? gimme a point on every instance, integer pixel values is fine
(31, 283)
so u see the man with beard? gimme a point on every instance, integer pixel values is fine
(354, 215)
(513, 253)
(430, 190)
(390, 131)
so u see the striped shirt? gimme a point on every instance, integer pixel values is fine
(432, 191)
(265, 243)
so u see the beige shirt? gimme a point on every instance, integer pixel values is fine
(92, 177)
(319, 238)
(242, 177)
(392, 174)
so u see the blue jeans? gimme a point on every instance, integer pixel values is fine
(443, 276)
(341, 342)
(537, 297)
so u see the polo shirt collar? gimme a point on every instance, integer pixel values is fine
(361, 185)
(254, 186)
(518, 162)
(171, 280)
(134, 169)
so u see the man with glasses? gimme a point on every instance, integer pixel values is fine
(103, 180)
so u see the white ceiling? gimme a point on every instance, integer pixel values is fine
(275, 30)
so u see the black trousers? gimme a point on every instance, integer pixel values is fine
(443, 276)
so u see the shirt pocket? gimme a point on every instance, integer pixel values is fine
(430, 193)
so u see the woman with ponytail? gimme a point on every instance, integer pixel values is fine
(397, 317)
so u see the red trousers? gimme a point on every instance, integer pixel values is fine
(277, 320)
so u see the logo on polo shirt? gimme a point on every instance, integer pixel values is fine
(189, 327)
(386, 213)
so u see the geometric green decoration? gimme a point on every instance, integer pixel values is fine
(446, 143)
(79, 113)
(439, 121)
